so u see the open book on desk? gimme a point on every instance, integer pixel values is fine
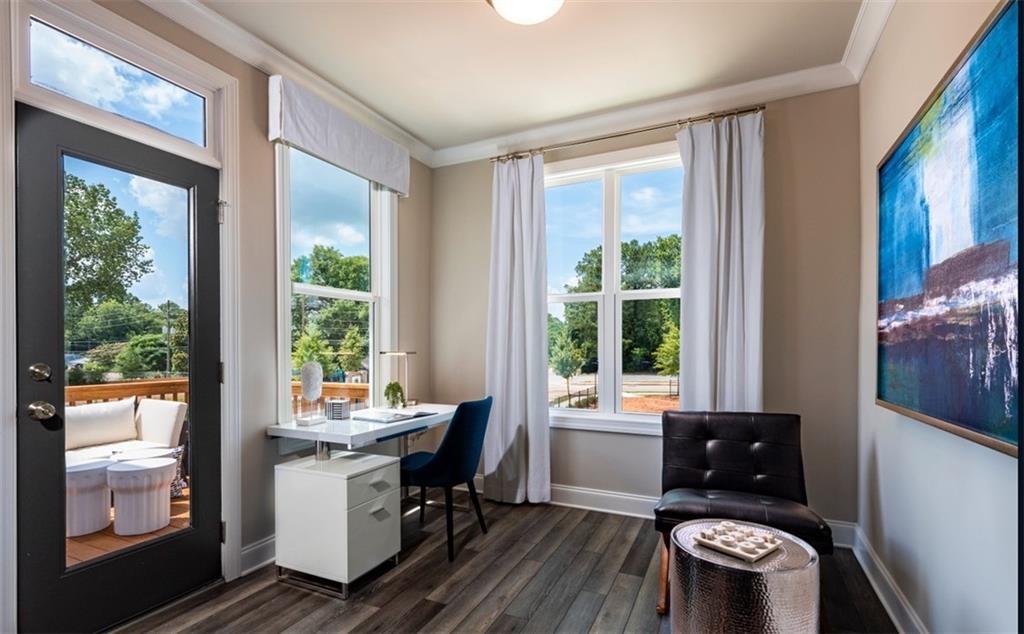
(379, 415)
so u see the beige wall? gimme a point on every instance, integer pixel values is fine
(811, 277)
(257, 271)
(920, 488)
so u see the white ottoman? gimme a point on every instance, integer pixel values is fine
(142, 454)
(87, 497)
(142, 494)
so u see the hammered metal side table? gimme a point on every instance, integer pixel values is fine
(714, 592)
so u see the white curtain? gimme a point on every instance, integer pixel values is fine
(723, 263)
(517, 464)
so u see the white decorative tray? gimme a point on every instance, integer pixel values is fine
(738, 540)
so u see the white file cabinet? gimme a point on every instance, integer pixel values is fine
(337, 519)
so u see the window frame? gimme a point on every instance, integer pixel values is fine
(381, 297)
(167, 63)
(609, 168)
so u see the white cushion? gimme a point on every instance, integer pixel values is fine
(99, 423)
(160, 421)
(95, 452)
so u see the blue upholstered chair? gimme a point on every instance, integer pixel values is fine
(454, 463)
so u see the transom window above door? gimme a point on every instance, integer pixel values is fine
(614, 229)
(76, 69)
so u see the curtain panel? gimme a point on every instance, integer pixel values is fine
(517, 464)
(723, 264)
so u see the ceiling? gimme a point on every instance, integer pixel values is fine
(452, 72)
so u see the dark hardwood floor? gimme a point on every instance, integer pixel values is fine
(538, 569)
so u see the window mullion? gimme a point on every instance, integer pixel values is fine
(609, 279)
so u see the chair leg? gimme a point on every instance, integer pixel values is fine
(476, 505)
(448, 518)
(663, 593)
(423, 502)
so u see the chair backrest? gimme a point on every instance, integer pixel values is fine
(160, 421)
(459, 452)
(734, 451)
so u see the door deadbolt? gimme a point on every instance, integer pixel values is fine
(39, 372)
(41, 410)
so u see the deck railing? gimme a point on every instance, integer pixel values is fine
(177, 390)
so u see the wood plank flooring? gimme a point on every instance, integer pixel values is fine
(87, 547)
(539, 568)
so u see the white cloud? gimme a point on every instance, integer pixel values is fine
(336, 234)
(154, 288)
(646, 196)
(69, 66)
(656, 222)
(169, 203)
(349, 235)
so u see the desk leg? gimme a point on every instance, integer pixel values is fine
(322, 450)
(403, 451)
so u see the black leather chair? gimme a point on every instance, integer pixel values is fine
(737, 466)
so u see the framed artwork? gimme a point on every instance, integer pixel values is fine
(948, 249)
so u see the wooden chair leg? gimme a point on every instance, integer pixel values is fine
(448, 517)
(476, 505)
(663, 593)
(423, 502)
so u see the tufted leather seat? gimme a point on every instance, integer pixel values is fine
(740, 466)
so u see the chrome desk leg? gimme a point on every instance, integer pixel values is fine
(403, 451)
(322, 450)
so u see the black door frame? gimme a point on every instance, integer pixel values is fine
(120, 586)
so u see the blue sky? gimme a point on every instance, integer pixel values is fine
(163, 214)
(651, 206)
(71, 67)
(329, 206)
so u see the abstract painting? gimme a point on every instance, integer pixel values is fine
(948, 250)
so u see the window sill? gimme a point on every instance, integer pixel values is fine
(634, 424)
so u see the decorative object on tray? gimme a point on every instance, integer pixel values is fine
(394, 395)
(312, 376)
(742, 541)
(948, 251)
(779, 593)
(338, 408)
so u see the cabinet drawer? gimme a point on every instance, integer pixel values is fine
(373, 484)
(374, 533)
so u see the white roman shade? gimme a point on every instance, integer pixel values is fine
(305, 121)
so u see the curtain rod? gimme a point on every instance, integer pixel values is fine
(615, 135)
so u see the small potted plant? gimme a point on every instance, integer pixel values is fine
(394, 395)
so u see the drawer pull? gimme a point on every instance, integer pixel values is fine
(380, 484)
(378, 510)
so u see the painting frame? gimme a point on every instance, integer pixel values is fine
(990, 441)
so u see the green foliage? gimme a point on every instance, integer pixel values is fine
(76, 375)
(327, 266)
(353, 350)
(565, 358)
(103, 358)
(312, 346)
(394, 394)
(144, 353)
(179, 344)
(113, 320)
(666, 357)
(654, 264)
(130, 362)
(103, 249)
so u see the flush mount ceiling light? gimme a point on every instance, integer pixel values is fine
(526, 12)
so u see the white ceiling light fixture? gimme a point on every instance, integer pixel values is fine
(526, 12)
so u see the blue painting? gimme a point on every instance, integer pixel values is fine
(948, 251)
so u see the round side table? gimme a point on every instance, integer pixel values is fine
(715, 592)
(87, 497)
(142, 494)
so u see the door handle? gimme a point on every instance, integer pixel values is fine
(41, 410)
(39, 372)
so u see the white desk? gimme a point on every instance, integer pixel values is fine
(353, 434)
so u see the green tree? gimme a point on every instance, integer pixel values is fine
(565, 358)
(144, 353)
(312, 346)
(103, 249)
(353, 350)
(179, 344)
(327, 266)
(666, 357)
(103, 358)
(112, 320)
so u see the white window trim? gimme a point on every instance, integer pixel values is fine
(381, 298)
(111, 32)
(135, 46)
(609, 167)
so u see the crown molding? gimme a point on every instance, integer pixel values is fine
(222, 32)
(864, 36)
(867, 30)
(792, 84)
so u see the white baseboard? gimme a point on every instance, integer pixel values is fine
(257, 554)
(895, 602)
(844, 534)
(605, 501)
